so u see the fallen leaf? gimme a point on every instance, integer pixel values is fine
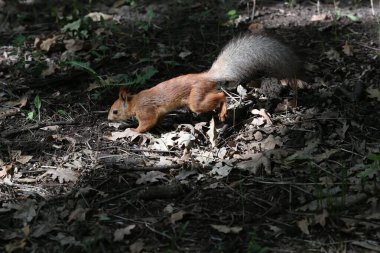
(373, 93)
(5, 169)
(119, 234)
(255, 163)
(136, 247)
(46, 44)
(99, 16)
(50, 128)
(304, 226)
(321, 218)
(25, 211)
(51, 67)
(150, 177)
(347, 49)
(319, 17)
(226, 229)
(63, 175)
(211, 133)
(78, 214)
(24, 159)
(263, 114)
(66, 240)
(177, 216)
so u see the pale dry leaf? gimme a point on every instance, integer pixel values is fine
(50, 128)
(258, 136)
(58, 137)
(257, 161)
(63, 175)
(347, 49)
(184, 54)
(271, 142)
(26, 211)
(226, 229)
(164, 161)
(304, 226)
(319, 17)
(5, 169)
(51, 67)
(373, 93)
(66, 240)
(136, 247)
(42, 229)
(332, 54)
(78, 214)
(24, 159)
(73, 45)
(177, 216)
(169, 208)
(321, 218)
(120, 233)
(185, 140)
(220, 171)
(222, 152)
(211, 133)
(241, 91)
(46, 44)
(99, 16)
(150, 177)
(263, 114)
(126, 133)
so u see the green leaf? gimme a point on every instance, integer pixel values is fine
(19, 40)
(30, 115)
(373, 157)
(353, 18)
(37, 102)
(73, 26)
(84, 66)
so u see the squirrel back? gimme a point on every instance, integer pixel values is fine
(248, 54)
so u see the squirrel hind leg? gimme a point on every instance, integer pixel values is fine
(208, 103)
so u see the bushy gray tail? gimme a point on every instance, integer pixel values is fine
(243, 56)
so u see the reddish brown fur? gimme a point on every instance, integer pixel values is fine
(195, 91)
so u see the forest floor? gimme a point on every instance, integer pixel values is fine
(292, 169)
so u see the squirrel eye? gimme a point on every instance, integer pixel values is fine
(114, 112)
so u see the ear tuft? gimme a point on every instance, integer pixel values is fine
(123, 94)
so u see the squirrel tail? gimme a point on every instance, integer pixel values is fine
(248, 54)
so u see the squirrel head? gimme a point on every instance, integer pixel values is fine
(121, 108)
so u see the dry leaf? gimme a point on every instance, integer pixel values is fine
(150, 177)
(119, 234)
(177, 216)
(24, 159)
(319, 17)
(50, 128)
(373, 93)
(255, 164)
(263, 114)
(25, 211)
(226, 230)
(63, 175)
(304, 226)
(211, 133)
(46, 44)
(136, 247)
(51, 67)
(99, 16)
(5, 169)
(347, 49)
(78, 214)
(321, 218)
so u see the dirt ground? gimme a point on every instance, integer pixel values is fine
(294, 169)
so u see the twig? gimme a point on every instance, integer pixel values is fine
(7, 133)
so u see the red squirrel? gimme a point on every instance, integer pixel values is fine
(240, 59)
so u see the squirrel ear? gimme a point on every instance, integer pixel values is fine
(123, 94)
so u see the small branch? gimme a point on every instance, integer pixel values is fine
(10, 132)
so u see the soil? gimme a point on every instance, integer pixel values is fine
(292, 170)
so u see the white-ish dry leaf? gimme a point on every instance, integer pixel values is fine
(258, 136)
(99, 16)
(373, 93)
(46, 44)
(220, 171)
(51, 67)
(136, 247)
(226, 229)
(24, 159)
(120, 233)
(177, 216)
(347, 49)
(185, 139)
(63, 175)
(66, 240)
(319, 17)
(50, 128)
(241, 91)
(321, 218)
(126, 133)
(263, 114)
(211, 133)
(255, 164)
(150, 177)
(169, 208)
(26, 211)
(304, 226)
(78, 214)
(332, 54)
